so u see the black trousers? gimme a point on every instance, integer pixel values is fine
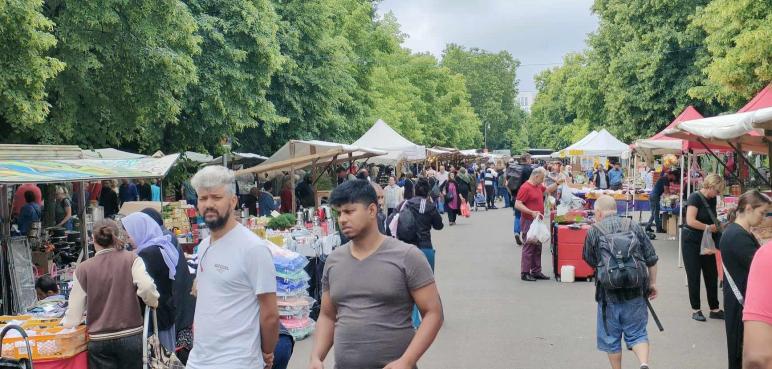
(490, 194)
(734, 329)
(452, 214)
(694, 263)
(119, 353)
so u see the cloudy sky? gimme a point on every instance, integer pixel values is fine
(536, 32)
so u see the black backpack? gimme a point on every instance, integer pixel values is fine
(621, 263)
(407, 224)
(514, 176)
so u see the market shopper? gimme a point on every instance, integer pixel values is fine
(700, 216)
(155, 191)
(517, 176)
(182, 296)
(47, 289)
(442, 176)
(369, 287)
(555, 178)
(30, 213)
(19, 197)
(106, 287)
(452, 199)
(757, 312)
(600, 177)
(305, 193)
(489, 178)
(622, 311)
(465, 185)
(265, 201)
(237, 318)
(408, 188)
(128, 191)
(530, 202)
(655, 199)
(615, 177)
(392, 195)
(63, 209)
(285, 196)
(108, 199)
(738, 246)
(161, 259)
(145, 191)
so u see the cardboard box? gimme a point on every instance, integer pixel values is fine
(671, 226)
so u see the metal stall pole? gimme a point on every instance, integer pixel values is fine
(5, 234)
(83, 226)
(292, 177)
(680, 211)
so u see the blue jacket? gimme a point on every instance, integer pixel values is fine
(29, 214)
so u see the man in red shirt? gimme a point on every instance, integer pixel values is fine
(530, 202)
(18, 197)
(757, 314)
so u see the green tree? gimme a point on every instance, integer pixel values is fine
(240, 55)
(129, 64)
(25, 38)
(738, 61)
(492, 84)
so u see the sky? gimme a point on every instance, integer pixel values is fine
(534, 31)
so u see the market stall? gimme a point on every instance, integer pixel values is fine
(398, 148)
(318, 156)
(22, 255)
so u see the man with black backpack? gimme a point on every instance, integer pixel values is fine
(517, 173)
(626, 275)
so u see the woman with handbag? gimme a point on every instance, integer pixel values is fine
(452, 200)
(106, 286)
(738, 246)
(701, 219)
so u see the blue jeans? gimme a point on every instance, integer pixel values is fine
(283, 352)
(655, 216)
(429, 253)
(504, 193)
(626, 319)
(517, 221)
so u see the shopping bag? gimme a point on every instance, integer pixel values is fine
(441, 207)
(465, 211)
(708, 245)
(155, 355)
(538, 231)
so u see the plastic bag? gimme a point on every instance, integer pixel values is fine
(465, 210)
(538, 231)
(708, 245)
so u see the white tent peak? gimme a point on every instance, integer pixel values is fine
(382, 137)
(603, 143)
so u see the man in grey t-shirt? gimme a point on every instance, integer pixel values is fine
(369, 288)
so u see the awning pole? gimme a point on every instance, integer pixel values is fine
(718, 159)
(83, 227)
(680, 211)
(292, 177)
(748, 162)
(5, 234)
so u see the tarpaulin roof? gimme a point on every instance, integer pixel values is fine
(574, 145)
(762, 100)
(661, 144)
(736, 128)
(311, 152)
(110, 153)
(382, 137)
(237, 157)
(75, 170)
(602, 143)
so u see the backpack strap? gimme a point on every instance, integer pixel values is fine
(710, 212)
(737, 294)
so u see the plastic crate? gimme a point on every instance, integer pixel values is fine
(46, 344)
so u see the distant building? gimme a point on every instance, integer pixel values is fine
(525, 100)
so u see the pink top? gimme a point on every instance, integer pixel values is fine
(758, 297)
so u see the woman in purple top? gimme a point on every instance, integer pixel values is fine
(452, 203)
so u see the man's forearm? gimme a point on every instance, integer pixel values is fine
(653, 274)
(323, 337)
(521, 207)
(424, 336)
(269, 332)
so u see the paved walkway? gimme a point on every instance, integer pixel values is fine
(493, 320)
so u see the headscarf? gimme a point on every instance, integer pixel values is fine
(464, 176)
(146, 232)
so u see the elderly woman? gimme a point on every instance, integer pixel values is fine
(106, 287)
(701, 216)
(63, 210)
(161, 257)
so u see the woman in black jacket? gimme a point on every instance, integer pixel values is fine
(161, 259)
(738, 246)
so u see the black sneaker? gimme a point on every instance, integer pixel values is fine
(528, 278)
(541, 276)
(644, 366)
(698, 316)
(518, 239)
(717, 315)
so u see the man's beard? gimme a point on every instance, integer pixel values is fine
(219, 222)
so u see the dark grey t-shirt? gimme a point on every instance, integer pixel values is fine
(373, 300)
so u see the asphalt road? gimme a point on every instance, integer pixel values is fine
(493, 320)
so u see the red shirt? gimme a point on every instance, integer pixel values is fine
(18, 197)
(286, 200)
(532, 197)
(758, 296)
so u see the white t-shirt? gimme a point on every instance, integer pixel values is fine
(442, 177)
(231, 273)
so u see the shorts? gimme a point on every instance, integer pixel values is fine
(626, 319)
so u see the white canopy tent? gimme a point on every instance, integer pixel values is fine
(110, 154)
(601, 144)
(564, 152)
(741, 128)
(398, 148)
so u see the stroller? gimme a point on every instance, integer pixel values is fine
(479, 199)
(10, 363)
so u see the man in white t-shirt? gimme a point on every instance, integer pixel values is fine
(442, 176)
(237, 319)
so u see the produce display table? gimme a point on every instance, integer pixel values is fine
(79, 361)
